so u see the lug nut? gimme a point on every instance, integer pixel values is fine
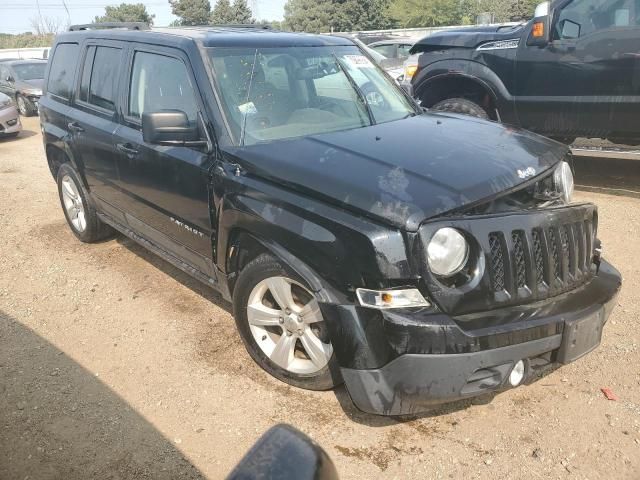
(299, 319)
(289, 334)
(281, 320)
(299, 332)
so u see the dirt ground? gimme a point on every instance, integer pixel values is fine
(113, 364)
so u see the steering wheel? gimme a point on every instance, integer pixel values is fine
(374, 98)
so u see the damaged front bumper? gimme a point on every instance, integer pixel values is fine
(401, 362)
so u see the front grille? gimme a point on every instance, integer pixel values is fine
(560, 258)
(522, 257)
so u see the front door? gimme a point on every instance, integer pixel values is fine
(165, 189)
(586, 81)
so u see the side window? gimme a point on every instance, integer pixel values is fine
(403, 50)
(86, 74)
(583, 17)
(63, 66)
(103, 77)
(386, 50)
(160, 83)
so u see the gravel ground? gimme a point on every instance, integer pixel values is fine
(113, 364)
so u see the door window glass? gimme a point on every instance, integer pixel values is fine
(387, 50)
(583, 17)
(104, 76)
(62, 69)
(403, 50)
(160, 83)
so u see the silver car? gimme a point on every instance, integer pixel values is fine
(9, 119)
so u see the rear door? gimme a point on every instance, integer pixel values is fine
(93, 119)
(165, 189)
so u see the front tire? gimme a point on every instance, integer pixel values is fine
(282, 327)
(463, 106)
(77, 207)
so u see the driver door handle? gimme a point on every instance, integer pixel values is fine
(74, 127)
(127, 149)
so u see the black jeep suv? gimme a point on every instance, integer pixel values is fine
(572, 71)
(419, 258)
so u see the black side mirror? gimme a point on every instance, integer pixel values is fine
(169, 127)
(10, 79)
(286, 454)
(540, 34)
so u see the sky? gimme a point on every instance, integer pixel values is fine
(16, 15)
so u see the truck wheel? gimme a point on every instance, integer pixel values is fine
(282, 327)
(78, 210)
(25, 107)
(461, 105)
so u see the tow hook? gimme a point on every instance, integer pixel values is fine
(597, 255)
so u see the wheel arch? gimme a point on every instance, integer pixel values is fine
(444, 79)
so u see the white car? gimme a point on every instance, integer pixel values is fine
(10, 124)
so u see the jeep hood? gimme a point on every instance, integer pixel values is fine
(467, 37)
(404, 172)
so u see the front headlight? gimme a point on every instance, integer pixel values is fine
(563, 180)
(447, 252)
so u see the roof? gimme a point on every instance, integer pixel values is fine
(210, 36)
(22, 61)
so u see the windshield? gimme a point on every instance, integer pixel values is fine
(276, 93)
(30, 71)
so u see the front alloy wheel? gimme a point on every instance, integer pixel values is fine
(286, 323)
(282, 326)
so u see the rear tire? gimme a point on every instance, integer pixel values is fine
(25, 106)
(463, 106)
(271, 328)
(78, 209)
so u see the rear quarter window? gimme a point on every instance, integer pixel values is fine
(62, 71)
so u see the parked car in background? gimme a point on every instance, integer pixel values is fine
(22, 80)
(572, 71)
(393, 48)
(10, 124)
(419, 258)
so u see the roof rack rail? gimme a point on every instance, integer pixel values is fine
(106, 25)
(256, 26)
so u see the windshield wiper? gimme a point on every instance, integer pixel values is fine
(355, 86)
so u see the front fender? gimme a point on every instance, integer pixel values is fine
(333, 250)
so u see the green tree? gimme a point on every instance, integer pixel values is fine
(429, 13)
(242, 12)
(191, 12)
(337, 15)
(126, 12)
(223, 13)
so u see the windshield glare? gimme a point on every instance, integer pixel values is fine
(30, 71)
(276, 93)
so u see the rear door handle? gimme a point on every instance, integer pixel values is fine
(127, 149)
(74, 127)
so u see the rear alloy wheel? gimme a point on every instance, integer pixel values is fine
(78, 209)
(282, 326)
(463, 106)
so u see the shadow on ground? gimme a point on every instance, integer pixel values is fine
(58, 420)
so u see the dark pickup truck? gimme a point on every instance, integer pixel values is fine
(572, 71)
(418, 257)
